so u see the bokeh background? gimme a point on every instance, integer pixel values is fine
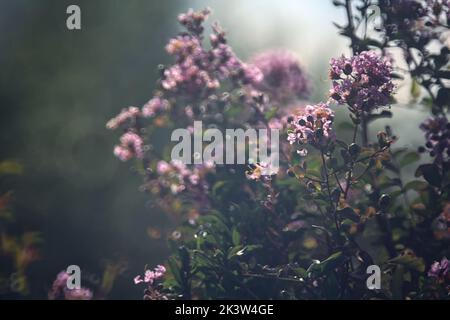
(59, 87)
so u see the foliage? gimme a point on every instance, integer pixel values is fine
(17, 252)
(336, 205)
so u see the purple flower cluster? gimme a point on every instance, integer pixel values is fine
(261, 171)
(412, 20)
(198, 71)
(195, 75)
(437, 134)
(439, 270)
(131, 145)
(127, 114)
(193, 20)
(363, 82)
(176, 176)
(150, 276)
(401, 16)
(155, 106)
(313, 126)
(283, 77)
(61, 291)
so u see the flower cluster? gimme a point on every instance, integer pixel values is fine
(193, 20)
(363, 82)
(313, 126)
(401, 16)
(283, 77)
(262, 170)
(127, 114)
(155, 106)
(414, 20)
(177, 176)
(150, 276)
(61, 291)
(131, 145)
(198, 71)
(440, 270)
(437, 134)
(195, 75)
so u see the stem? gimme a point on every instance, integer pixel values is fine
(350, 26)
(327, 182)
(365, 129)
(349, 173)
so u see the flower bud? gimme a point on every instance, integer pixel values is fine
(384, 201)
(354, 150)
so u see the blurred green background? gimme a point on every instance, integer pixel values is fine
(59, 87)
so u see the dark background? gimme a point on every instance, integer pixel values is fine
(57, 90)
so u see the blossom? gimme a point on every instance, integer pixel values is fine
(131, 145)
(313, 126)
(151, 275)
(414, 21)
(155, 105)
(283, 77)
(437, 134)
(197, 70)
(60, 290)
(130, 113)
(160, 270)
(177, 176)
(59, 284)
(162, 167)
(439, 270)
(138, 279)
(363, 82)
(193, 20)
(260, 170)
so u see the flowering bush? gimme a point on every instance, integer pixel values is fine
(338, 203)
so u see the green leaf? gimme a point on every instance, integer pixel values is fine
(415, 89)
(271, 113)
(10, 167)
(416, 185)
(240, 251)
(409, 158)
(175, 271)
(430, 173)
(235, 236)
(233, 251)
(328, 264)
(410, 262)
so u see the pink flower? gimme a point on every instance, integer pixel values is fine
(138, 280)
(163, 167)
(122, 153)
(131, 144)
(363, 82)
(282, 76)
(60, 289)
(154, 106)
(130, 113)
(313, 126)
(151, 275)
(160, 270)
